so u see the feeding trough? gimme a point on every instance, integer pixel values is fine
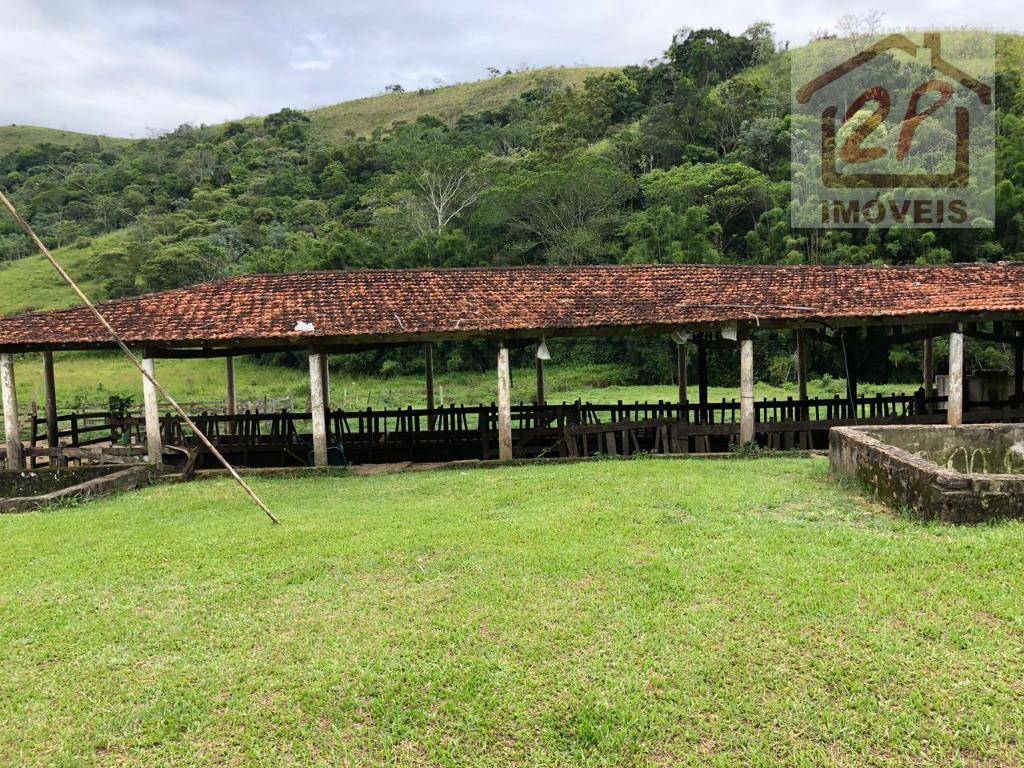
(964, 474)
(24, 491)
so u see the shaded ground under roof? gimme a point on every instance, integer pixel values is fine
(396, 306)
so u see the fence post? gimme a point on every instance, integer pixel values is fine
(504, 406)
(33, 432)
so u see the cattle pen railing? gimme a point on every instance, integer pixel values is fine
(282, 437)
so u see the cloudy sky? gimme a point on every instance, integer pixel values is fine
(128, 67)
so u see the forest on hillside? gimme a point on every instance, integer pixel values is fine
(685, 159)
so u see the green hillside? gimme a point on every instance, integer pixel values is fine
(15, 137)
(32, 283)
(362, 116)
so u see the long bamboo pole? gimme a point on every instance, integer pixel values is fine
(27, 228)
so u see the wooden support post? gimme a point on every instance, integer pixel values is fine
(746, 390)
(325, 387)
(154, 439)
(801, 372)
(232, 399)
(702, 382)
(955, 402)
(316, 407)
(231, 405)
(850, 353)
(540, 382)
(1018, 370)
(50, 387)
(12, 427)
(928, 367)
(682, 353)
(504, 406)
(428, 356)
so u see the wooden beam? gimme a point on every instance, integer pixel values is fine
(428, 357)
(317, 408)
(820, 337)
(955, 402)
(325, 381)
(928, 367)
(198, 353)
(1018, 369)
(541, 397)
(325, 386)
(801, 366)
(682, 353)
(50, 407)
(702, 382)
(850, 363)
(370, 341)
(746, 390)
(12, 427)
(232, 399)
(154, 438)
(504, 406)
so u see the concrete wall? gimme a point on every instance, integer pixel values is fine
(113, 482)
(902, 479)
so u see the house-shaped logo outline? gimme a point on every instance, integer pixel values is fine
(830, 175)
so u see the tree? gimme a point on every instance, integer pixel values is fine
(611, 98)
(663, 236)
(566, 208)
(437, 180)
(193, 261)
(710, 56)
(729, 191)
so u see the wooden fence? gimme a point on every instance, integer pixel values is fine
(257, 438)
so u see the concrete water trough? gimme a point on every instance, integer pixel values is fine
(964, 474)
(24, 491)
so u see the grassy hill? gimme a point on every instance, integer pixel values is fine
(362, 116)
(31, 283)
(15, 137)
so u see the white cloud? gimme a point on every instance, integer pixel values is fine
(121, 66)
(316, 52)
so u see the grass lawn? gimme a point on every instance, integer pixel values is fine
(646, 612)
(92, 378)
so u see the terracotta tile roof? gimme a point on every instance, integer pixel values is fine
(396, 305)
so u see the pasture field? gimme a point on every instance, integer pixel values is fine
(644, 612)
(361, 117)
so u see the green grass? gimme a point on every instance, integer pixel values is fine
(615, 613)
(14, 137)
(31, 283)
(90, 378)
(363, 116)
